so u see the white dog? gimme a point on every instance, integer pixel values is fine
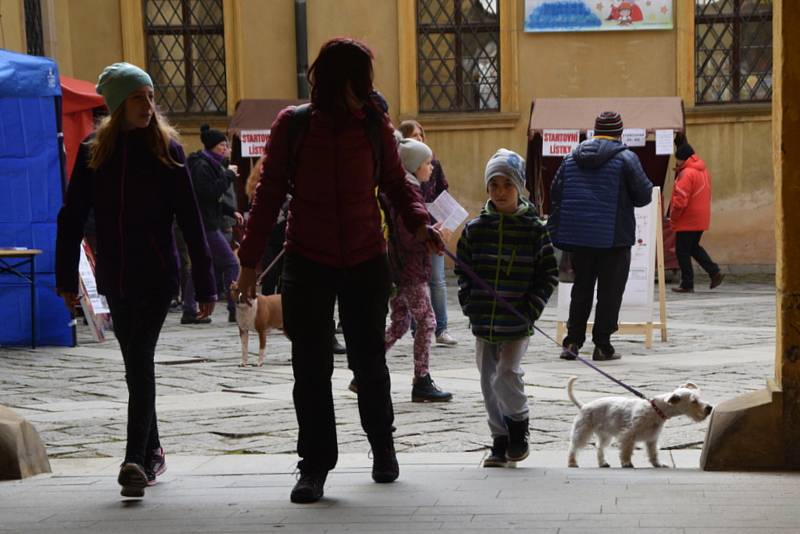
(631, 420)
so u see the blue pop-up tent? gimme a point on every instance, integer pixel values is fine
(31, 192)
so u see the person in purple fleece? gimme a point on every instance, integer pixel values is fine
(132, 172)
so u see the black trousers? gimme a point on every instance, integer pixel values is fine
(309, 291)
(137, 325)
(687, 246)
(608, 268)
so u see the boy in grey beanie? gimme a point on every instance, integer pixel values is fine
(509, 164)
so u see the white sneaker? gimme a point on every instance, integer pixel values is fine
(446, 339)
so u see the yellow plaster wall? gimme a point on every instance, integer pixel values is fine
(95, 36)
(12, 26)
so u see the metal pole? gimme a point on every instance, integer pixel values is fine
(301, 47)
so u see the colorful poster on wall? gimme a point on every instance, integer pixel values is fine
(597, 15)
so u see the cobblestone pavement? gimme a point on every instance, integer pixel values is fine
(721, 340)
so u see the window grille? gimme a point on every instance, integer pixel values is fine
(186, 55)
(34, 35)
(733, 51)
(458, 55)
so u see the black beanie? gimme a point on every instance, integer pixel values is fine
(684, 152)
(608, 123)
(211, 137)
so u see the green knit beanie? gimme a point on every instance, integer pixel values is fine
(119, 80)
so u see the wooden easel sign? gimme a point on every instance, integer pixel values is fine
(647, 255)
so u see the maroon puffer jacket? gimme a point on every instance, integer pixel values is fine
(333, 216)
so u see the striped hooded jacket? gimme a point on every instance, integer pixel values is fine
(513, 254)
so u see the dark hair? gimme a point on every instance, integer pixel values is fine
(340, 61)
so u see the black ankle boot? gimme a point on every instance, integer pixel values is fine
(384, 463)
(309, 488)
(424, 390)
(518, 434)
(497, 456)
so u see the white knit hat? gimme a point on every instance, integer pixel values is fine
(413, 154)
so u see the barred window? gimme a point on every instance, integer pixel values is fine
(186, 54)
(34, 35)
(733, 51)
(458, 55)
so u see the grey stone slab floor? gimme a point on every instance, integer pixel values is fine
(230, 435)
(436, 492)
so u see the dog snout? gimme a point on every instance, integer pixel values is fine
(709, 409)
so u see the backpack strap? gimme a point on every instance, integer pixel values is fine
(298, 127)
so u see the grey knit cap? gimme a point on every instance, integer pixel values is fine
(509, 164)
(413, 154)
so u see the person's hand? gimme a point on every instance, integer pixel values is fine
(246, 284)
(447, 235)
(431, 237)
(70, 299)
(205, 309)
(239, 218)
(234, 168)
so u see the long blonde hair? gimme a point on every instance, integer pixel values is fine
(159, 134)
(253, 178)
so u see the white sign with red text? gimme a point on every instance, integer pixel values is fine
(253, 142)
(559, 142)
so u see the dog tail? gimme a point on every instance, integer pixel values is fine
(572, 395)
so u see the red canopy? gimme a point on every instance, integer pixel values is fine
(78, 100)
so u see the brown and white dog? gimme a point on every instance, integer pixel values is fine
(262, 314)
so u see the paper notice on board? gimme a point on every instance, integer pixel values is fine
(634, 136)
(664, 142)
(559, 142)
(446, 210)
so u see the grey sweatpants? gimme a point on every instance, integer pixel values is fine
(501, 382)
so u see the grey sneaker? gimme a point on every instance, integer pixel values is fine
(446, 339)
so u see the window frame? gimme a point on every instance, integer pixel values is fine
(506, 117)
(134, 47)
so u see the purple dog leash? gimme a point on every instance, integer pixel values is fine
(480, 282)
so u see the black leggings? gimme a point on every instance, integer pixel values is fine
(137, 325)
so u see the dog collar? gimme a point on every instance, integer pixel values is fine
(660, 413)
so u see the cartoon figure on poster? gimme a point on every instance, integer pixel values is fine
(626, 13)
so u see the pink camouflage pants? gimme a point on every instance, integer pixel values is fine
(413, 301)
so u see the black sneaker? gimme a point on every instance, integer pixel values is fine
(338, 348)
(569, 352)
(497, 454)
(353, 386)
(424, 390)
(384, 464)
(518, 434)
(133, 480)
(604, 353)
(188, 318)
(231, 316)
(309, 488)
(156, 467)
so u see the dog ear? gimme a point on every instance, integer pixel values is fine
(689, 385)
(674, 399)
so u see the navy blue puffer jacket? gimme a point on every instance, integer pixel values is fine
(593, 195)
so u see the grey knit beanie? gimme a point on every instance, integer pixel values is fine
(119, 80)
(509, 164)
(413, 154)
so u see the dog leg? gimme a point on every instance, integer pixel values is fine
(602, 443)
(652, 453)
(243, 336)
(262, 347)
(581, 432)
(626, 446)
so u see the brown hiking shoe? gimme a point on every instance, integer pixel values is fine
(716, 280)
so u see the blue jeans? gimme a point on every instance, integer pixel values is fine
(438, 287)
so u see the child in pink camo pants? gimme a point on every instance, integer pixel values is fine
(411, 266)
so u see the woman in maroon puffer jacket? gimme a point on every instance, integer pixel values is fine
(334, 250)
